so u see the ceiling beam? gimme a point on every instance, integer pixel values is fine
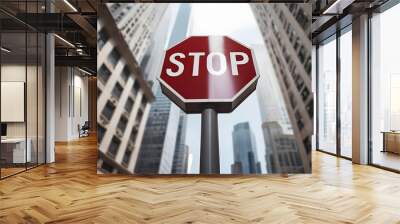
(82, 61)
(337, 7)
(86, 27)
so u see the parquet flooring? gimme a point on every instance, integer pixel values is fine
(7, 171)
(70, 191)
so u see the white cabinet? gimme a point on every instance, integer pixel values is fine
(18, 149)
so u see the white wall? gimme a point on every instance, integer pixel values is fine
(71, 102)
(12, 73)
(61, 103)
(82, 82)
(16, 73)
(33, 126)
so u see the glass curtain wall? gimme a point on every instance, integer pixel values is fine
(314, 91)
(327, 95)
(346, 92)
(334, 65)
(385, 89)
(22, 89)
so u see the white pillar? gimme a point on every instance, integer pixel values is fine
(360, 90)
(50, 99)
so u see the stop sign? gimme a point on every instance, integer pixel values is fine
(208, 72)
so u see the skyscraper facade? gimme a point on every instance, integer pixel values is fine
(123, 93)
(245, 150)
(137, 23)
(157, 152)
(152, 62)
(281, 154)
(273, 109)
(181, 154)
(161, 136)
(281, 150)
(181, 160)
(286, 31)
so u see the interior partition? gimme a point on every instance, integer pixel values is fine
(22, 101)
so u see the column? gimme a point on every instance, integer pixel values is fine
(360, 90)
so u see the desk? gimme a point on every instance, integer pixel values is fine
(13, 150)
(391, 141)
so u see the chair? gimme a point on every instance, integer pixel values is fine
(84, 130)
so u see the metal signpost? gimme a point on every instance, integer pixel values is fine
(208, 75)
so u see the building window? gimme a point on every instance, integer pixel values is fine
(114, 7)
(299, 118)
(104, 74)
(125, 74)
(122, 123)
(302, 19)
(139, 116)
(129, 104)
(135, 88)
(299, 82)
(114, 57)
(98, 92)
(107, 168)
(113, 148)
(310, 108)
(144, 102)
(100, 133)
(117, 90)
(305, 93)
(133, 136)
(102, 38)
(292, 7)
(307, 66)
(127, 155)
(108, 110)
(302, 54)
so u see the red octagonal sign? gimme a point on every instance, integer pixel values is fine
(208, 72)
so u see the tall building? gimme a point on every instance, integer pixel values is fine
(161, 136)
(279, 139)
(286, 31)
(157, 151)
(281, 152)
(123, 93)
(181, 154)
(137, 23)
(273, 109)
(181, 160)
(245, 150)
(151, 62)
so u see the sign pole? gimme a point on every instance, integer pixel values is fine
(209, 152)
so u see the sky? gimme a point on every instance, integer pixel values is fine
(238, 22)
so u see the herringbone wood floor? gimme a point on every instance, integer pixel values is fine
(69, 191)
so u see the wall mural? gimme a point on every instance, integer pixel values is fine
(204, 88)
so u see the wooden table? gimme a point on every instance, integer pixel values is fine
(391, 141)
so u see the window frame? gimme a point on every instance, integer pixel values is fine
(334, 37)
